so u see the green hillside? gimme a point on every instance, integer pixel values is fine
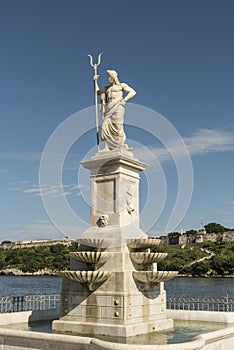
(204, 259)
(53, 257)
(208, 258)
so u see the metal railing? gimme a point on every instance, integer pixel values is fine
(47, 302)
(29, 302)
(225, 303)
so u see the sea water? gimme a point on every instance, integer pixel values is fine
(180, 286)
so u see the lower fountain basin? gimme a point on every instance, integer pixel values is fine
(86, 277)
(154, 276)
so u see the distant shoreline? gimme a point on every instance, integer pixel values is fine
(17, 272)
(48, 272)
(206, 276)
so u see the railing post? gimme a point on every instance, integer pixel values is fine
(227, 309)
(21, 303)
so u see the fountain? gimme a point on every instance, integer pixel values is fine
(113, 286)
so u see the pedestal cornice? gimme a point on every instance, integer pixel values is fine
(115, 157)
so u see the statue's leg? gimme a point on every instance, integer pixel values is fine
(117, 124)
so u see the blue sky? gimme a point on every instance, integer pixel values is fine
(178, 56)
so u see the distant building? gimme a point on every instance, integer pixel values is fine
(37, 243)
(197, 237)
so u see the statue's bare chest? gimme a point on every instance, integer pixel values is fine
(114, 91)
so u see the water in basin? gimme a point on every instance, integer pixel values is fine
(183, 331)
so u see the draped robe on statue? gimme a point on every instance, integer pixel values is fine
(112, 131)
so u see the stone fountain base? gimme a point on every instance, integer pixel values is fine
(113, 287)
(92, 328)
(110, 302)
(113, 314)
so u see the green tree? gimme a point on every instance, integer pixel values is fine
(174, 234)
(200, 268)
(223, 264)
(2, 262)
(191, 232)
(213, 227)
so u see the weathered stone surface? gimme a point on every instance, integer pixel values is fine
(115, 189)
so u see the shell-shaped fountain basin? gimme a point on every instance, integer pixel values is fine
(86, 277)
(95, 242)
(154, 276)
(96, 258)
(143, 243)
(147, 258)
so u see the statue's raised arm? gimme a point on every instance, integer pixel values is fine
(113, 99)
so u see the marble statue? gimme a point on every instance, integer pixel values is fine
(113, 99)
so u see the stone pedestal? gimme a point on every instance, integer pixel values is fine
(114, 180)
(104, 293)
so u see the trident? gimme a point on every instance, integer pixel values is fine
(95, 65)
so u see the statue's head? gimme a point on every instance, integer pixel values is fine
(112, 76)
